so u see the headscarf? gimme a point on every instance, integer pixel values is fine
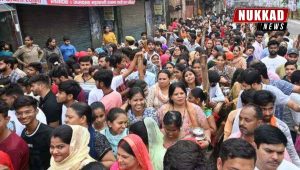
(5, 160)
(164, 59)
(79, 151)
(140, 151)
(155, 143)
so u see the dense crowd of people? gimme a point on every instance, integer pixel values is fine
(202, 93)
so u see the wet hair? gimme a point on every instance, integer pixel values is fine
(173, 118)
(213, 76)
(28, 36)
(237, 76)
(94, 166)
(275, 136)
(116, 59)
(13, 90)
(295, 78)
(49, 40)
(8, 60)
(37, 66)
(198, 93)
(135, 90)
(164, 71)
(70, 87)
(261, 68)
(247, 96)
(40, 78)
(181, 58)
(186, 155)
(180, 67)
(64, 133)
(197, 81)
(273, 42)
(257, 33)
(263, 97)
(288, 63)
(237, 148)
(83, 109)
(85, 59)
(24, 81)
(114, 113)
(250, 76)
(23, 101)
(59, 71)
(104, 76)
(137, 83)
(94, 106)
(3, 109)
(139, 128)
(126, 147)
(257, 109)
(172, 88)
(66, 38)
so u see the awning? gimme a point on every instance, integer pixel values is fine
(6, 8)
(78, 3)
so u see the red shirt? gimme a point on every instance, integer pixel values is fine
(17, 149)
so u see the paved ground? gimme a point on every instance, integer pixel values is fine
(294, 27)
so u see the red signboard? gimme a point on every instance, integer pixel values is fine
(72, 2)
(262, 15)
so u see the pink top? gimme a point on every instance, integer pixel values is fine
(186, 122)
(111, 100)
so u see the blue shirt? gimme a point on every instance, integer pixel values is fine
(67, 51)
(149, 77)
(5, 54)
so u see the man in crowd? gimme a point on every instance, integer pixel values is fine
(270, 145)
(273, 61)
(67, 49)
(68, 92)
(40, 85)
(36, 134)
(292, 57)
(258, 45)
(85, 65)
(11, 143)
(236, 154)
(7, 69)
(159, 37)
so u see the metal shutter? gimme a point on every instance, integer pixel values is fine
(133, 19)
(42, 22)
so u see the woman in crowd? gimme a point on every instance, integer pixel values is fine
(50, 49)
(81, 114)
(198, 97)
(158, 93)
(190, 79)
(175, 55)
(152, 137)
(238, 60)
(192, 115)
(116, 127)
(170, 67)
(172, 133)
(109, 36)
(69, 147)
(132, 155)
(196, 66)
(136, 106)
(99, 119)
(155, 59)
(29, 52)
(225, 71)
(91, 52)
(178, 70)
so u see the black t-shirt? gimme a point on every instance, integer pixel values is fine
(51, 108)
(39, 143)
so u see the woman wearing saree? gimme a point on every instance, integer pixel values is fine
(132, 155)
(158, 93)
(192, 115)
(69, 148)
(152, 137)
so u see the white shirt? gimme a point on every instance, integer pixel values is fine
(15, 125)
(63, 114)
(273, 63)
(161, 39)
(285, 165)
(96, 94)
